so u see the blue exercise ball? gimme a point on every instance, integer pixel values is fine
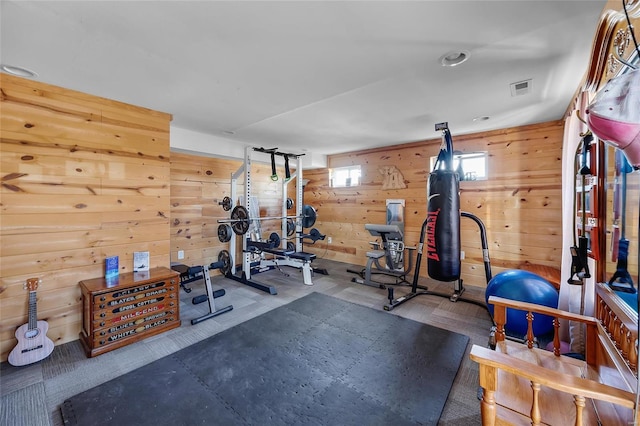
(523, 286)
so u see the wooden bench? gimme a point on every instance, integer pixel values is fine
(524, 385)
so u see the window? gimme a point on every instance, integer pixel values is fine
(342, 177)
(470, 166)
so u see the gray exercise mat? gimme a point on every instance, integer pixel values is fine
(316, 361)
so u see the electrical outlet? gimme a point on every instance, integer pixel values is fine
(329, 240)
(461, 255)
(180, 254)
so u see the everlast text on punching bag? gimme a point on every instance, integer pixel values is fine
(443, 215)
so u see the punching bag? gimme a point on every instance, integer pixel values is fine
(443, 215)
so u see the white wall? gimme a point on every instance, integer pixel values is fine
(191, 142)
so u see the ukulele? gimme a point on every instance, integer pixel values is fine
(33, 343)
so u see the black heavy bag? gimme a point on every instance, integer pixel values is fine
(443, 217)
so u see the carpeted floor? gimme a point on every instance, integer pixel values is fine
(318, 360)
(32, 395)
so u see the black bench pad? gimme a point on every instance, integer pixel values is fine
(308, 257)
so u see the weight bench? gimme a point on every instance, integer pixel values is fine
(391, 244)
(307, 257)
(279, 252)
(271, 245)
(300, 260)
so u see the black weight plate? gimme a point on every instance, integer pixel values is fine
(274, 238)
(309, 216)
(240, 218)
(224, 257)
(224, 233)
(226, 204)
(291, 227)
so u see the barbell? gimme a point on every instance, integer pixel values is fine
(240, 219)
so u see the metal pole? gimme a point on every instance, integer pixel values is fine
(246, 256)
(299, 202)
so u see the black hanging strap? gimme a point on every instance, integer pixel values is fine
(273, 152)
(445, 156)
(274, 175)
(287, 172)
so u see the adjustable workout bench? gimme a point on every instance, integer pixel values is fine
(196, 273)
(300, 260)
(282, 257)
(391, 248)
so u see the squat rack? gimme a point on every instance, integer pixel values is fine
(246, 169)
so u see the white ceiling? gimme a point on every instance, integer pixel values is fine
(317, 77)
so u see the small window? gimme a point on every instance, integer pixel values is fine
(342, 177)
(470, 166)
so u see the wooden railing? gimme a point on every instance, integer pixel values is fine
(601, 389)
(500, 318)
(621, 324)
(491, 361)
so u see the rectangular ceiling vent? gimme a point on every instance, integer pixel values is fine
(521, 88)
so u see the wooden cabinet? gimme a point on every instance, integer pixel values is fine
(130, 308)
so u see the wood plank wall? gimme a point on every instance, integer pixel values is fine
(198, 184)
(520, 203)
(83, 178)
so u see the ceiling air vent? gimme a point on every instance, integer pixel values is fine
(521, 88)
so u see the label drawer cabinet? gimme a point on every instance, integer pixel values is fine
(129, 308)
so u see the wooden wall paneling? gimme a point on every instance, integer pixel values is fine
(194, 209)
(106, 165)
(16, 244)
(47, 222)
(39, 264)
(198, 184)
(83, 178)
(520, 203)
(49, 300)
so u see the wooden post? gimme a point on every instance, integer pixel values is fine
(500, 318)
(530, 335)
(536, 418)
(580, 402)
(489, 383)
(556, 336)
